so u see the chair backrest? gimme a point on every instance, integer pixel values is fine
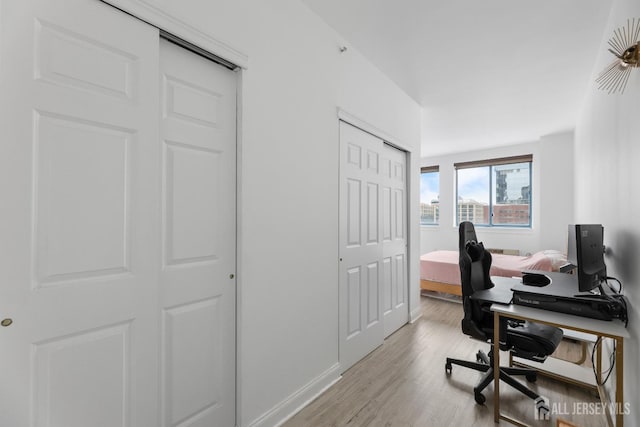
(466, 233)
(475, 263)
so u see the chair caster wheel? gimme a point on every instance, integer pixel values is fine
(447, 368)
(543, 413)
(543, 409)
(531, 378)
(480, 399)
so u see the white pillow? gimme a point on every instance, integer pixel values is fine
(558, 259)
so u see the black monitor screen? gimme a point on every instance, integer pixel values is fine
(586, 251)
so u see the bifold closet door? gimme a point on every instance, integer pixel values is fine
(103, 209)
(372, 281)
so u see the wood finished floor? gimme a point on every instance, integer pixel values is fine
(403, 383)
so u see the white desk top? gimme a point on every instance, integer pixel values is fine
(611, 328)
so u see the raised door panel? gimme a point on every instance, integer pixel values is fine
(373, 294)
(192, 377)
(399, 202)
(68, 370)
(354, 212)
(83, 211)
(192, 204)
(387, 288)
(69, 58)
(399, 284)
(373, 213)
(386, 217)
(353, 302)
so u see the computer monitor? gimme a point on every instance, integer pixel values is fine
(585, 250)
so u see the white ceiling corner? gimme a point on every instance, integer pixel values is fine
(490, 73)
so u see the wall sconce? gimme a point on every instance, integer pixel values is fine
(625, 46)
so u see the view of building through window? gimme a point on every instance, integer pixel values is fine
(512, 195)
(491, 192)
(429, 196)
(495, 194)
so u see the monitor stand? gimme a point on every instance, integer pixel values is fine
(597, 293)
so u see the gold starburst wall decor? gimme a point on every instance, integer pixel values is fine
(625, 46)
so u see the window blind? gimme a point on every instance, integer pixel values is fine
(493, 162)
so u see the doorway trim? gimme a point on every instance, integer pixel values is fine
(167, 23)
(354, 120)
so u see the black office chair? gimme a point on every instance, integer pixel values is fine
(528, 340)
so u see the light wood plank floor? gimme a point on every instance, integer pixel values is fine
(403, 383)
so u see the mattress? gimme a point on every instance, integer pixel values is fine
(442, 266)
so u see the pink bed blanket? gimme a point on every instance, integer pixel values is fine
(442, 266)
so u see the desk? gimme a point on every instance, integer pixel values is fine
(609, 329)
(501, 293)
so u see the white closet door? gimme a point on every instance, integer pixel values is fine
(198, 258)
(118, 230)
(394, 239)
(79, 198)
(361, 327)
(373, 284)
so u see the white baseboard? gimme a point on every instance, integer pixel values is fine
(290, 406)
(415, 314)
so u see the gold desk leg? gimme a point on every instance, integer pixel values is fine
(583, 356)
(496, 367)
(619, 382)
(599, 360)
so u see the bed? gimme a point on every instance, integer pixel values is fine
(439, 270)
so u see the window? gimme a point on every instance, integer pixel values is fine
(495, 192)
(429, 195)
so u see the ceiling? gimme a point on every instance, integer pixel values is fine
(487, 73)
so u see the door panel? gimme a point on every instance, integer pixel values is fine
(198, 289)
(65, 366)
(82, 225)
(373, 303)
(193, 388)
(354, 325)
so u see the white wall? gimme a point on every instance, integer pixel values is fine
(552, 198)
(607, 154)
(296, 79)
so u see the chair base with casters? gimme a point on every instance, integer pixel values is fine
(485, 364)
